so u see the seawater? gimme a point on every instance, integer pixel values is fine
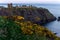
(55, 10)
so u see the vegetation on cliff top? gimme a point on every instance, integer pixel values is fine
(15, 28)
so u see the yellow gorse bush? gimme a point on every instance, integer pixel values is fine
(29, 28)
(20, 17)
(16, 18)
(26, 30)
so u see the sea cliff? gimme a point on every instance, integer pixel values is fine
(33, 14)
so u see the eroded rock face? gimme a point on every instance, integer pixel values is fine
(35, 15)
(58, 19)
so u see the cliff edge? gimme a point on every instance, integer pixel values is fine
(33, 14)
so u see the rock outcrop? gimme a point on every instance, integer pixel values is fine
(33, 14)
(58, 19)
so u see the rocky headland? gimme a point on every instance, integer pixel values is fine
(30, 13)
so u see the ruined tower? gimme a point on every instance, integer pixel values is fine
(10, 5)
(10, 8)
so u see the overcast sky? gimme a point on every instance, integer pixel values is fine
(31, 1)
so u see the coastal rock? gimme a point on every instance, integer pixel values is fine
(33, 14)
(58, 19)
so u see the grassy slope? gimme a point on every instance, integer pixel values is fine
(10, 30)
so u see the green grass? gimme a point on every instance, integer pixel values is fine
(9, 30)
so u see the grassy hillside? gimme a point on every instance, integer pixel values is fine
(15, 28)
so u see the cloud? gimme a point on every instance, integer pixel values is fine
(29, 1)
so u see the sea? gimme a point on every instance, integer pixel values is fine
(54, 9)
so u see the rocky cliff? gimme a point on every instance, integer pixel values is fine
(34, 14)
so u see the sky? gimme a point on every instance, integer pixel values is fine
(31, 1)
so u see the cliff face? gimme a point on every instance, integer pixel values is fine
(35, 15)
(46, 15)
